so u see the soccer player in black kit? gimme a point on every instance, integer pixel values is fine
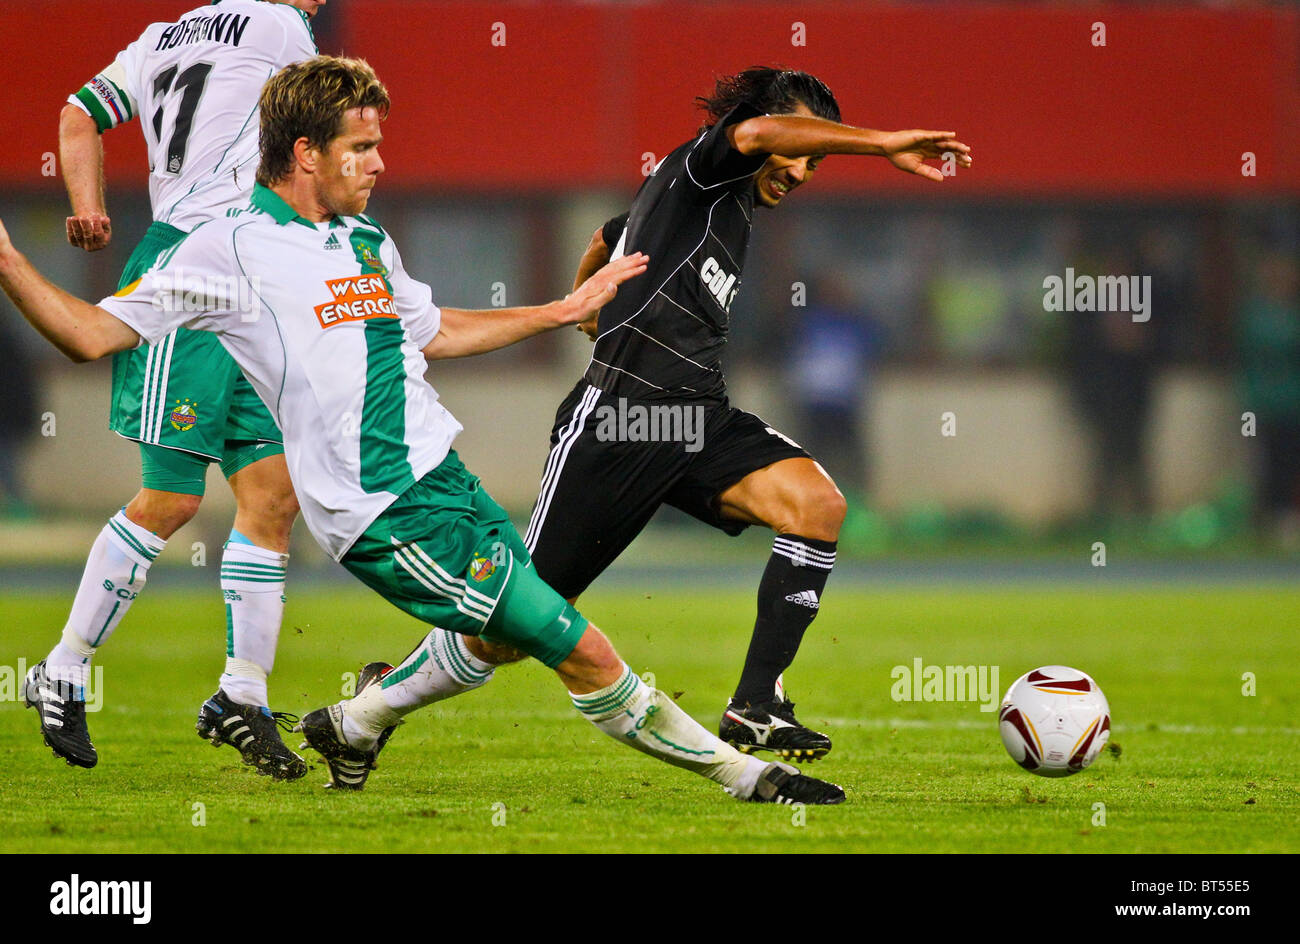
(659, 343)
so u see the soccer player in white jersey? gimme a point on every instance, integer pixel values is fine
(193, 84)
(336, 339)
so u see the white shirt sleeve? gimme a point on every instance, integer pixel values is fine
(414, 303)
(189, 286)
(111, 97)
(299, 44)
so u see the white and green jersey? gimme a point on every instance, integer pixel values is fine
(194, 85)
(328, 327)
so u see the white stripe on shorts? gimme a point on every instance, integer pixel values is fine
(555, 465)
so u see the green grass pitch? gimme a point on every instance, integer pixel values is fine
(1204, 767)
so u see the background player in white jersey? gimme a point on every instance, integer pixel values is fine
(193, 84)
(340, 331)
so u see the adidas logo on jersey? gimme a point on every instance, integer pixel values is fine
(721, 286)
(806, 598)
(333, 242)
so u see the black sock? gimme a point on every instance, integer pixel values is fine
(788, 598)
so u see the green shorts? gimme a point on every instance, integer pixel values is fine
(446, 553)
(171, 470)
(185, 392)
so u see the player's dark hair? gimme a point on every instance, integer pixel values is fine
(308, 100)
(773, 91)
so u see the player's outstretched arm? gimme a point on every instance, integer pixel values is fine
(802, 136)
(82, 331)
(81, 154)
(464, 333)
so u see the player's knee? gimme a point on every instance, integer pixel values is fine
(163, 513)
(272, 501)
(820, 513)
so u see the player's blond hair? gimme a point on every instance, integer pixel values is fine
(308, 100)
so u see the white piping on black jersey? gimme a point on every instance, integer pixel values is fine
(736, 265)
(687, 164)
(748, 219)
(555, 463)
(685, 259)
(669, 349)
(634, 376)
(669, 298)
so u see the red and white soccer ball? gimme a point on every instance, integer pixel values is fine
(1054, 721)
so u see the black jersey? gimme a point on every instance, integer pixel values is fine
(662, 336)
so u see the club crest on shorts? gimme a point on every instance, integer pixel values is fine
(480, 568)
(184, 415)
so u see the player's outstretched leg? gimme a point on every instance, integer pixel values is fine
(613, 698)
(115, 574)
(350, 734)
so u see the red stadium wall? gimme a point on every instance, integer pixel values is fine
(580, 91)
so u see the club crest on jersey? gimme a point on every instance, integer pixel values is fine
(480, 568)
(371, 261)
(356, 298)
(184, 415)
(721, 286)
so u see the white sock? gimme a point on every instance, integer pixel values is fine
(115, 573)
(645, 718)
(252, 581)
(440, 666)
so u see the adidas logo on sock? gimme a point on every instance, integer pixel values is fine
(333, 242)
(805, 598)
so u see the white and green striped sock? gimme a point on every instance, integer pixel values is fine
(439, 667)
(252, 581)
(645, 718)
(115, 573)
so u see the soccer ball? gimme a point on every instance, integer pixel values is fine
(1054, 721)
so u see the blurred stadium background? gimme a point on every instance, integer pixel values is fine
(873, 303)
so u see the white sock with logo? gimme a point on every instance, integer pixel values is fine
(252, 581)
(645, 718)
(440, 667)
(115, 573)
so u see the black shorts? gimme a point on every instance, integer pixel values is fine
(614, 461)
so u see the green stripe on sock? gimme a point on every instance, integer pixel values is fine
(131, 541)
(255, 566)
(678, 747)
(623, 688)
(405, 672)
(230, 632)
(104, 628)
(461, 669)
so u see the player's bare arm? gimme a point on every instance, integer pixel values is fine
(597, 255)
(81, 155)
(804, 135)
(463, 333)
(82, 331)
